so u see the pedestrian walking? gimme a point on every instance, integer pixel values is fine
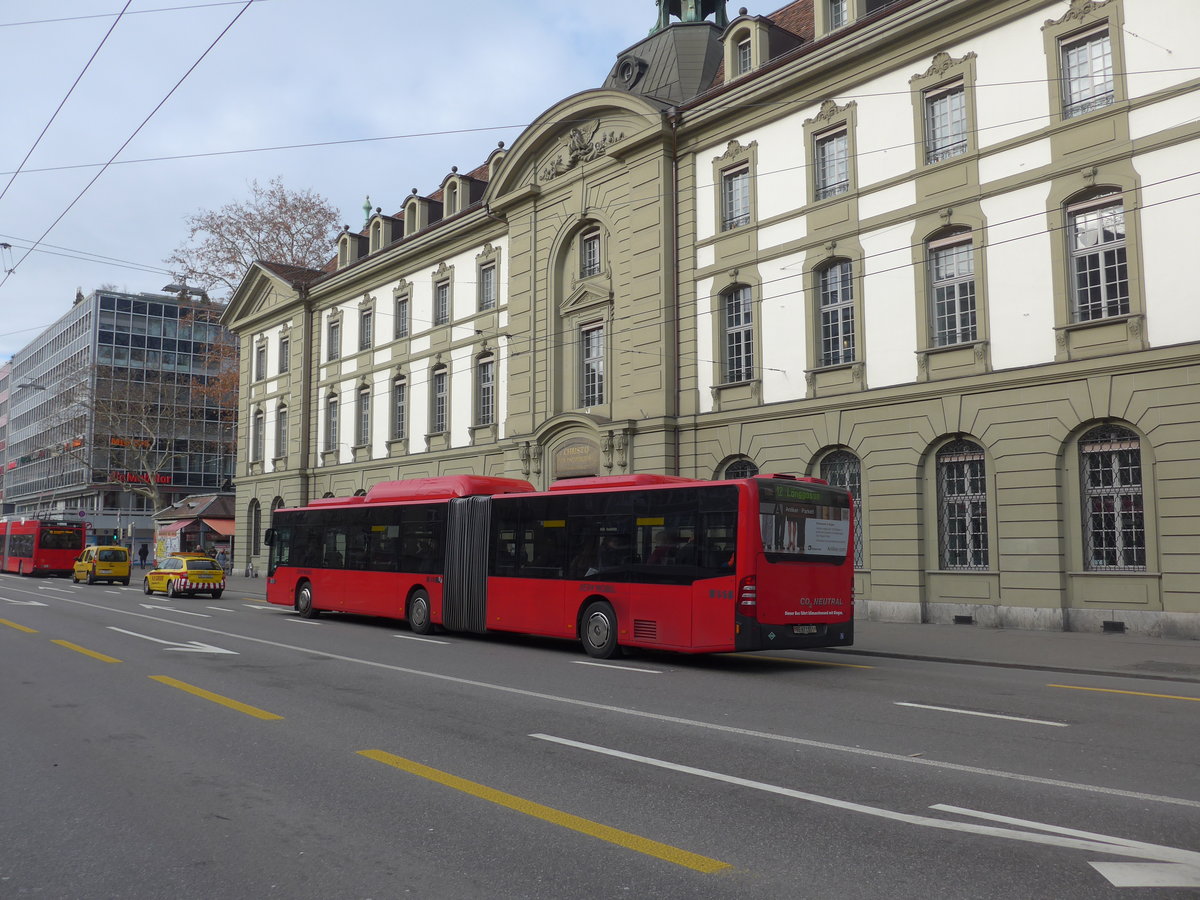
(143, 552)
(223, 560)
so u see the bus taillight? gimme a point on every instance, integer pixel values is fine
(748, 597)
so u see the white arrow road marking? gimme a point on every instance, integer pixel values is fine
(1055, 835)
(182, 612)
(1149, 874)
(583, 662)
(189, 647)
(1181, 873)
(23, 602)
(971, 712)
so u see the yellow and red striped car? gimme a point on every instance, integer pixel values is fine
(186, 575)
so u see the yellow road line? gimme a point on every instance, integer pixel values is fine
(85, 651)
(18, 627)
(555, 817)
(1075, 687)
(810, 662)
(215, 698)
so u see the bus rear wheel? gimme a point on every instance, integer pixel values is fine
(419, 618)
(304, 602)
(598, 630)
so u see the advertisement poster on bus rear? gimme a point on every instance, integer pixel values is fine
(800, 521)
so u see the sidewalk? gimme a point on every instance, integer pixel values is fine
(1129, 655)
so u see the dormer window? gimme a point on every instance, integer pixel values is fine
(744, 56)
(451, 195)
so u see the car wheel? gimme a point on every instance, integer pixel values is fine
(304, 602)
(74, 577)
(598, 630)
(216, 595)
(173, 591)
(146, 587)
(91, 576)
(419, 618)
(125, 581)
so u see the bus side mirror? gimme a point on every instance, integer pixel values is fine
(269, 537)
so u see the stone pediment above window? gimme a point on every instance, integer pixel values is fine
(587, 295)
(830, 112)
(580, 145)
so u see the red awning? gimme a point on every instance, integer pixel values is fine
(173, 527)
(223, 527)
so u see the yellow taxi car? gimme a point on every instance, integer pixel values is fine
(102, 563)
(186, 575)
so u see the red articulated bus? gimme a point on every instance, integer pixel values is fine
(40, 547)
(651, 561)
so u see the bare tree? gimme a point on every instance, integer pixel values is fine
(297, 228)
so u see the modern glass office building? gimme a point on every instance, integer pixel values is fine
(112, 395)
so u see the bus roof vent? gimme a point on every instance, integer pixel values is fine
(617, 481)
(444, 488)
(807, 478)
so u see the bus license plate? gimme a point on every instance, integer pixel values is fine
(804, 629)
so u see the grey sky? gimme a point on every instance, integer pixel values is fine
(287, 72)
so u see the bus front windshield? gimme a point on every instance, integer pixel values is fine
(803, 522)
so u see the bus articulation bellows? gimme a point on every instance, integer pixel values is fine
(650, 561)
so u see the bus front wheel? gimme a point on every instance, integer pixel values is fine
(599, 630)
(304, 602)
(419, 618)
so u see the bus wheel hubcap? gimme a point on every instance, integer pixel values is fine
(598, 629)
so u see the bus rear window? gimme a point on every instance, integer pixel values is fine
(803, 522)
(62, 539)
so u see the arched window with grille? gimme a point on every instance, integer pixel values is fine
(1114, 527)
(254, 518)
(843, 469)
(962, 507)
(740, 468)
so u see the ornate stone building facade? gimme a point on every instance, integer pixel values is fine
(930, 249)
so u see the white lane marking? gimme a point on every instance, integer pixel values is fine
(188, 647)
(1049, 835)
(1123, 874)
(111, 591)
(221, 608)
(660, 717)
(50, 587)
(182, 612)
(424, 640)
(23, 602)
(584, 662)
(256, 606)
(302, 621)
(971, 712)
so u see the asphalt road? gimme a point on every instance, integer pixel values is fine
(198, 748)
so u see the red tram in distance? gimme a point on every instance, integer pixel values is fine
(40, 546)
(652, 561)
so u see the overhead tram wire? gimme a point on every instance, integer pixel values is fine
(8, 274)
(63, 102)
(135, 12)
(561, 122)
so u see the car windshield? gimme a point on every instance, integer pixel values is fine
(111, 556)
(201, 565)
